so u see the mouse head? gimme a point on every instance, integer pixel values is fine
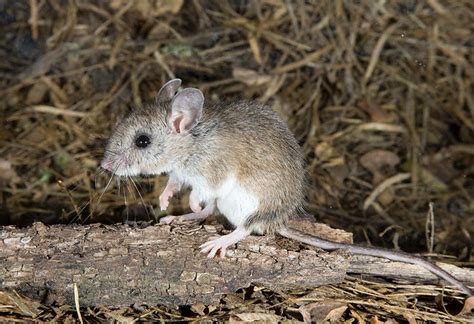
(154, 138)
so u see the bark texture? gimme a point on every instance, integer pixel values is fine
(119, 265)
(371, 266)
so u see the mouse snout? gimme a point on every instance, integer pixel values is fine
(107, 165)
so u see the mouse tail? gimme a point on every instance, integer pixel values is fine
(375, 252)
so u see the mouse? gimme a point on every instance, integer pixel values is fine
(238, 157)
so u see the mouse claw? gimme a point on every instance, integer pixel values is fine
(207, 246)
(165, 196)
(223, 242)
(164, 203)
(214, 246)
(210, 248)
(223, 252)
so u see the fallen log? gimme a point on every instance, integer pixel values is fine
(121, 265)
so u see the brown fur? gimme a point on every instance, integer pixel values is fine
(249, 139)
(242, 138)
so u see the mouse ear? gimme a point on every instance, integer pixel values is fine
(186, 110)
(168, 90)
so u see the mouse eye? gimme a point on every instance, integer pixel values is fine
(142, 141)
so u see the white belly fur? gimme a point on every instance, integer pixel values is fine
(233, 201)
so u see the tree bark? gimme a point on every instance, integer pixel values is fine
(119, 265)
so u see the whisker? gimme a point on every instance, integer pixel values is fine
(105, 189)
(141, 197)
(124, 196)
(81, 209)
(151, 207)
(100, 171)
(97, 174)
(111, 152)
(118, 184)
(102, 194)
(75, 186)
(71, 199)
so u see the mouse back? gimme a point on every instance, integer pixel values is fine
(249, 140)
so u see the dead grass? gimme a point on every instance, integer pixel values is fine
(355, 300)
(380, 96)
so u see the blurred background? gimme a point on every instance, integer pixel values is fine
(379, 95)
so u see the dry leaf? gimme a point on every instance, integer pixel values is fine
(199, 308)
(118, 315)
(335, 314)
(211, 308)
(377, 114)
(322, 311)
(385, 188)
(12, 302)
(357, 316)
(410, 318)
(468, 307)
(255, 317)
(375, 320)
(377, 159)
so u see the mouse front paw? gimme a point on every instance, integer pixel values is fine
(164, 199)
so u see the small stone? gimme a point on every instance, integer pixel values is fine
(210, 228)
(100, 254)
(188, 276)
(11, 241)
(26, 239)
(203, 278)
(118, 251)
(90, 272)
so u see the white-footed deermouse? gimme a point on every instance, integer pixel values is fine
(238, 157)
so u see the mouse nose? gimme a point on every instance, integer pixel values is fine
(106, 164)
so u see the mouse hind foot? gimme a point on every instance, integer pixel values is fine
(220, 244)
